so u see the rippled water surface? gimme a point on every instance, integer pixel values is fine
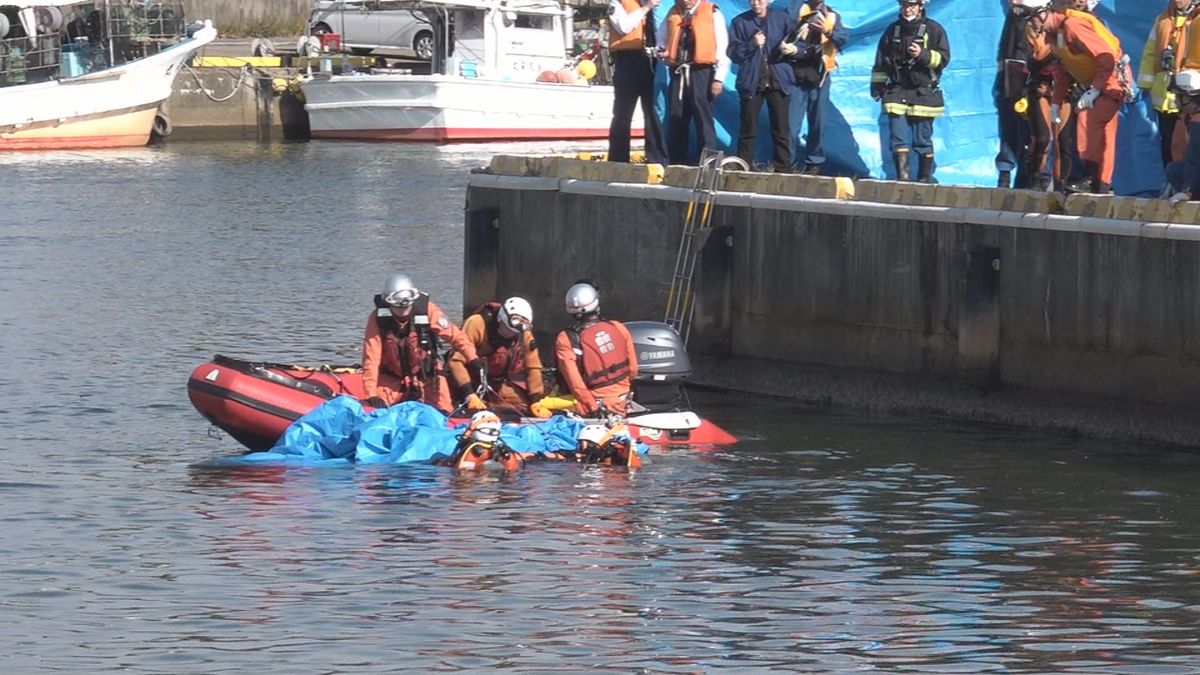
(825, 541)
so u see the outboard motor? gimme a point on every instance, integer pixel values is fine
(663, 365)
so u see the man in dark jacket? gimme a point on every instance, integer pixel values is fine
(763, 75)
(813, 44)
(1013, 59)
(912, 53)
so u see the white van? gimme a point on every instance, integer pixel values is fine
(373, 27)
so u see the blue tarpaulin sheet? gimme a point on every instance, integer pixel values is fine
(966, 138)
(341, 432)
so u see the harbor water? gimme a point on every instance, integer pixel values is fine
(826, 541)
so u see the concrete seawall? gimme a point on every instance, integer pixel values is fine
(1060, 321)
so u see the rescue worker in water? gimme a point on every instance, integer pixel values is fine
(402, 349)
(503, 337)
(596, 357)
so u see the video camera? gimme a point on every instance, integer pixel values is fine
(900, 45)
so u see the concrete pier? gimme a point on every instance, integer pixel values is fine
(992, 305)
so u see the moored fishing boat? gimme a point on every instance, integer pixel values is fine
(89, 74)
(503, 73)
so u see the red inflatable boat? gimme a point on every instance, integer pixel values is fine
(255, 403)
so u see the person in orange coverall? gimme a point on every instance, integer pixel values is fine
(596, 357)
(402, 349)
(1089, 55)
(503, 337)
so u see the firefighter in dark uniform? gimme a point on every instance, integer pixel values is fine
(913, 51)
(630, 45)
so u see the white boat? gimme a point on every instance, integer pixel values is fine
(485, 88)
(88, 74)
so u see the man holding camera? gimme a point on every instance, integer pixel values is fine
(906, 77)
(630, 44)
(1159, 63)
(813, 45)
(763, 75)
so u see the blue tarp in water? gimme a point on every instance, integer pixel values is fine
(341, 432)
(966, 139)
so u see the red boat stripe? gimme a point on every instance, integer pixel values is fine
(214, 390)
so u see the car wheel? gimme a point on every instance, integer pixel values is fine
(423, 46)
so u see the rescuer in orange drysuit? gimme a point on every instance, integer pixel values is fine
(1090, 56)
(596, 358)
(402, 358)
(503, 337)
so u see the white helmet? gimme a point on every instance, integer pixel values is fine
(1188, 81)
(515, 315)
(399, 291)
(597, 437)
(582, 299)
(1031, 6)
(484, 427)
(596, 434)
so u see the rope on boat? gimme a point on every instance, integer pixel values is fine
(241, 80)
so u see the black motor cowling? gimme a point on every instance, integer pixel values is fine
(663, 365)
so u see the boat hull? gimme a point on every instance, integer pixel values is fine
(106, 109)
(444, 109)
(255, 403)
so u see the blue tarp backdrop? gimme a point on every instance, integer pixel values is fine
(966, 138)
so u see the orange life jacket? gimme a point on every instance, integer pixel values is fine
(634, 39)
(602, 359)
(704, 36)
(1081, 66)
(410, 349)
(506, 363)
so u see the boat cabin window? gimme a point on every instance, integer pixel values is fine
(533, 21)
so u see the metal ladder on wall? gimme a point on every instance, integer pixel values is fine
(681, 301)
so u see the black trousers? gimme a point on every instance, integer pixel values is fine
(690, 102)
(633, 81)
(1166, 133)
(777, 112)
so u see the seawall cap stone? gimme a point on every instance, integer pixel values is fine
(508, 165)
(1088, 205)
(1025, 201)
(1186, 213)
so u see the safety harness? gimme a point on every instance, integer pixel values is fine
(424, 362)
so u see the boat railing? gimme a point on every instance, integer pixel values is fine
(139, 29)
(25, 60)
(86, 42)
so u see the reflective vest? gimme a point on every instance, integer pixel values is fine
(704, 36)
(1081, 66)
(828, 49)
(506, 363)
(602, 359)
(1168, 32)
(410, 349)
(634, 39)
